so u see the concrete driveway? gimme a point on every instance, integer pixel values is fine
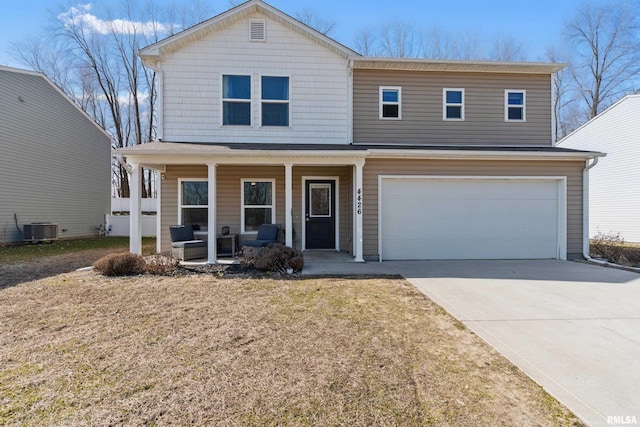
(572, 327)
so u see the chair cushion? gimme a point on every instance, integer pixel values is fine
(181, 233)
(189, 244)
(268, 232)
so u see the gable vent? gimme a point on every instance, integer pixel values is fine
(257, 31)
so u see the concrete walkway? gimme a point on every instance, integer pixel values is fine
(572, 327)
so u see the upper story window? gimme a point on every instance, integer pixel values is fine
(453, 104)
(275, 101)
(390, 103)
(236, 100)
(515, 106)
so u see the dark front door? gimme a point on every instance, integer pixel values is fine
(320, 214)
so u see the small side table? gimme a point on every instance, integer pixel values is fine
(227, 249)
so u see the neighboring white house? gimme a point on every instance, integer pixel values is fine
(614, 185)
(55, 165)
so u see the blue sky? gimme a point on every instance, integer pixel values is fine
(536, 24)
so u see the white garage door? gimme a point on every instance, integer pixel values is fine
(471, 218)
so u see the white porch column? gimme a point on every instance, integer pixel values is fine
(135, 210)
(288, 204)
(212, 241)
(357, 211)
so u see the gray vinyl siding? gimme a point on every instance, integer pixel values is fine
(422, 121)
(375, 167)
(228, 193)
(55, 164)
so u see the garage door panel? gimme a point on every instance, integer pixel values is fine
(469, 218)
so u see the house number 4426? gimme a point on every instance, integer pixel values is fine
(359, 202)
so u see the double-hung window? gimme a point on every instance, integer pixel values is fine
(258, 204)
(236, 100)
(453, 104)
(390, 103)
(515, 106)
(194, 203)
(275, 101)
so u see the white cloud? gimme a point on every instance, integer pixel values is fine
(80, 16)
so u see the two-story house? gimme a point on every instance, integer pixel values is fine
(265, 120)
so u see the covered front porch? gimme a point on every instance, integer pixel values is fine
(315, 195)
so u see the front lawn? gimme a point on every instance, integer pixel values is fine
(30, 252)
(23, 263)
(82, 349)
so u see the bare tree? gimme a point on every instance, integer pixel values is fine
(401, 40)
(396, 39)
(95, 61)
(441, 45)
(606, 42)
(310, 18)
(507, 49)
(365, 42)
(566, 111)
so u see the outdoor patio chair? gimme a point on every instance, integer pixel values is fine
(267, 233)
(184, 245)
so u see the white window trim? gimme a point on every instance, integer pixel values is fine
(248, 101)
(381, 103)
(452, 104)
(180, 205)
(273, 101)
(506, 105)
(243, 206)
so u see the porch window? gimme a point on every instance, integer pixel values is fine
(258, 204)
(236, 100)
(194, 203)
(275, 101)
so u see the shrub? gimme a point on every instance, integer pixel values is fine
(277, 257)
(120, 264)
(607, 245)
(613, 248)
(161, 264)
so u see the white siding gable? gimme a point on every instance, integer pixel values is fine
(192, 85)
(614, 183)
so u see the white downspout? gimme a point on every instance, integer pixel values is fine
(585, 209)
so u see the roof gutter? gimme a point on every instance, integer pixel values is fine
(483, 155)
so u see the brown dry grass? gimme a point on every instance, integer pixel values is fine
(15, 269)
(82, 349)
